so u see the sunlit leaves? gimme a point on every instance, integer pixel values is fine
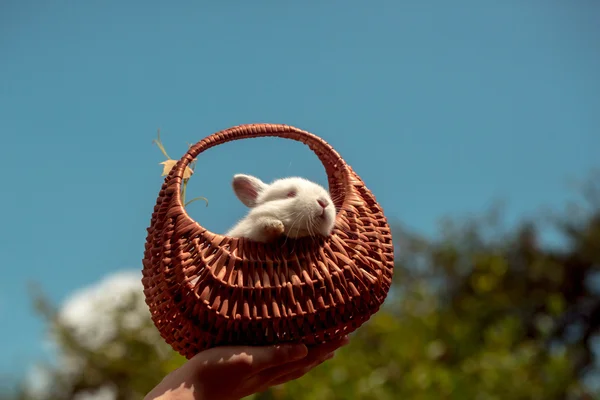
(168, 166)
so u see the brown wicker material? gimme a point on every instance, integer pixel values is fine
(204, 289)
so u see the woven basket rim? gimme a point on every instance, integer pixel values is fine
(281, 131)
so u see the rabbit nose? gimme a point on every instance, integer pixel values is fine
(323, 203)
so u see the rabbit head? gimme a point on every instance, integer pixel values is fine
(295, 207)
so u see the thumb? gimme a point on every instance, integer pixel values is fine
(272, 356)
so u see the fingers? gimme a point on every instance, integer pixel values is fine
(248, 359)
(273, 356)
(289, 357)
(319, 351)
(300, 372)
(315, 356)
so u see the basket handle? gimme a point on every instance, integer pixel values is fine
(338, 173)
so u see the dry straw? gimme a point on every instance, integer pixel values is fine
(205, 289)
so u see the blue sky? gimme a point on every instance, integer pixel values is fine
(441, 107)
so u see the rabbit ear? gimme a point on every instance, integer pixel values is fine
(247, 188)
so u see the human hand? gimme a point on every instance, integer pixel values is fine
(231, 373)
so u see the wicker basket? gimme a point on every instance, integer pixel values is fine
(204, 289)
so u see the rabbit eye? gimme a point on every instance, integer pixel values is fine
(291, 193)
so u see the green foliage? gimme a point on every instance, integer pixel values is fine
(132, 363)
(473, 319)
(475, 314)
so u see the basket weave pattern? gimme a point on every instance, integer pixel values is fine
(205, 289)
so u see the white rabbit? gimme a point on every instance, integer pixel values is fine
(294, 207)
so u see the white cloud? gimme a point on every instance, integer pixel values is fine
(90, 314)
(90, 311)
(37, 382)
(105, 392)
